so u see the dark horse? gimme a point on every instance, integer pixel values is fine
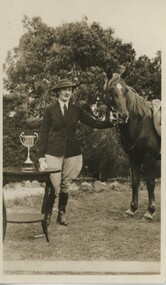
(139, 138)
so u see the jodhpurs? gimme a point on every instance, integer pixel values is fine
(70, 169)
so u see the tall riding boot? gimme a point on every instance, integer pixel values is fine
(63, 199)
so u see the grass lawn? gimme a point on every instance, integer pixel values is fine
(96, 229)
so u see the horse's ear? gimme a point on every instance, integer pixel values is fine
(105, 85)
(109, 73)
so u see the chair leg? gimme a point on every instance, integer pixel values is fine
(45, 228)
(48, 201)
(4, 220)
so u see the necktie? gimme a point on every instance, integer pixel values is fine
(65, 112)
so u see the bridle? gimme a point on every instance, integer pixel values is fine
(114, 115)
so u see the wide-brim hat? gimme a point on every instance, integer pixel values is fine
(64, 83)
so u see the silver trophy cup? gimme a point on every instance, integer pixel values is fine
(28, 141)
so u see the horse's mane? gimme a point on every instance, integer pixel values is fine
(137, 104)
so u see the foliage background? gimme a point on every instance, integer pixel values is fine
(81, 52)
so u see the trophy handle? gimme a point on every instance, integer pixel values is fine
(21, 136)
(37, 137)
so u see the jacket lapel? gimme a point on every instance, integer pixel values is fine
(59, 112)
(70, 111)
(61, 115)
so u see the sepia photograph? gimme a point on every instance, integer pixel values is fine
(82, 165)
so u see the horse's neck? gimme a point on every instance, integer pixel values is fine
(134, 125)
(135, 116)
(137, 106)
(125, 135)
(129, 133)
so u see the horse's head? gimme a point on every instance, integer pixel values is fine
(116, 100)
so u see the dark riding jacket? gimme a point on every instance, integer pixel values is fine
(58, 137)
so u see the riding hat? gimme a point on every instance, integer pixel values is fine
(64, 83)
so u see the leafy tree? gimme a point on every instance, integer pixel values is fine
(82, 53)
(145, 76)
(72, 50)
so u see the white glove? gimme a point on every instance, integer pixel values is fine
(42, 164)
(112, 118)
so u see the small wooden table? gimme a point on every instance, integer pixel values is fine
(18, 175)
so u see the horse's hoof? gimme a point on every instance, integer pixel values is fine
(128, 213)
(148, 217)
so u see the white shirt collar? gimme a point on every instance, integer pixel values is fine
(62, 105)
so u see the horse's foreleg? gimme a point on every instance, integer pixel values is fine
(150, 187)
(150, 166)
(135, 177)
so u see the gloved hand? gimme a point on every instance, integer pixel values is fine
(113, 118)
(42, 164)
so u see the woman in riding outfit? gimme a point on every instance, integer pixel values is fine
(59, 147)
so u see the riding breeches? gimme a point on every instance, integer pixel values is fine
(70, 168)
